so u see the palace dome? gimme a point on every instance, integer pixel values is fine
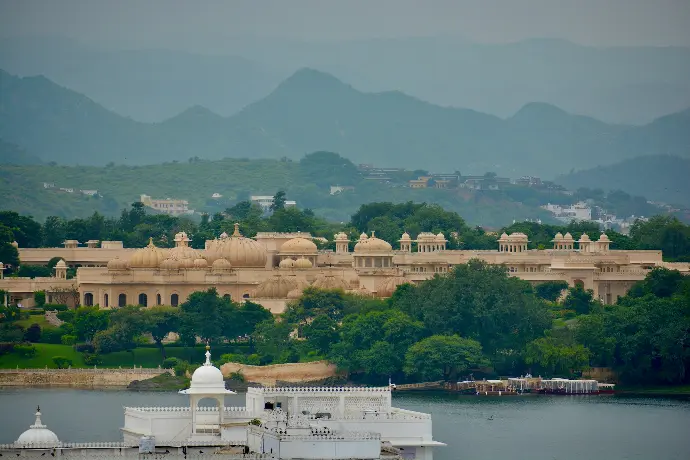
(276, 287)
(38, 435)
(61, 264)
(185, 255)
(221, 265)
(568, 236)
(558, 237)
(298, 245)
(388, 286)
(363, 236)
(604, 237)
(405, 237)
(295, 293)
(584, 237)
(303, 263)
(207, 379)
(440, 237)
(287, 263)
(200, 263)
(148, 257)
(238, 250)
(341, 236)
(372, 244)
(115, 264)
(330, 281)
(170, 264)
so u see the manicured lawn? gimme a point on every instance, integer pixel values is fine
(43, 358)
(140, 357)
(35, 319)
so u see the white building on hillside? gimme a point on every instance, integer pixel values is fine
(169, 206)
(577, 211)
(265, 201)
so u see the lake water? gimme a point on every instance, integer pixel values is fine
(507, 428)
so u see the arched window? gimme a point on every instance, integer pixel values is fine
(143, 300)
(122, 300)
(245, 296)
(158, 299)
(106, 300)
(88, 299)
(174, 300)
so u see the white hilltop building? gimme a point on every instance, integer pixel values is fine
(276, 423)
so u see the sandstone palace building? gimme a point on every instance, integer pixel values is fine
(273, 268)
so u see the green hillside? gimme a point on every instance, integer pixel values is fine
(313, 111)
(306, 181)
(659, 178)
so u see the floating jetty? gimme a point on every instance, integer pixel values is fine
(529, 385)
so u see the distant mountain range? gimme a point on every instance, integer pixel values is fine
(659, 178)
(631, 85)
(313, 111)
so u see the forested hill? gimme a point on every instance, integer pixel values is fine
(307, 181)
(314, 111)
(659, 178)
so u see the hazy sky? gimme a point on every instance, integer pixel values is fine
(205, 24)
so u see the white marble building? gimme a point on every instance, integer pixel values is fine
(317, 423)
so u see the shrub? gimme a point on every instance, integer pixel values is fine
(36, 312)
(232, 358)
(237, 376)
(25, 351)
(61, 362)
(11, 332)
(40, 298)
(255, 360)
(66, 316)
(68, 339)
(92, 359)
(170, 363)
(84, 347)
(33, 333)
(6, 347)
(181, 368)
(55, 306)
(52, 336)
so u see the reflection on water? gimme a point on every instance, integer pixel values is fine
(506, 427)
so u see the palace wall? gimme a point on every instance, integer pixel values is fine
(80, 378)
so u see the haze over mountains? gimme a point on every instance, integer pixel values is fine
(618, 85)
(313, 111)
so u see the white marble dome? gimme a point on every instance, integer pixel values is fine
(207, 379)
(38, 435)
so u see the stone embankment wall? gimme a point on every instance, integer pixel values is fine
(291, 372)
(79, 378)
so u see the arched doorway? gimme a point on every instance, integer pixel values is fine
(88, 299)
(122, 300)
(106, 300)
(143, 299)
(174, 300)
(158, 299)
(579, 284)
(207, 416)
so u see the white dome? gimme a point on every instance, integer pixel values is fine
(207, 379)
(38, 435)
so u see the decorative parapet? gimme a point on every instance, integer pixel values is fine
(136, 370)
(317, 434)
(229, 410)
(315, 390)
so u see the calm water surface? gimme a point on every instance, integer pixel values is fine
(509, 428)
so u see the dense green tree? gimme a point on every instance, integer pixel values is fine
(550, 357)
(550, 290)
(278, 201)
(33, 333)
(579, 300)
(273, 340)
(40, 298)
(208, 316)
(26, 231)
(160, 321)
(443, 357)
(53, 232)
(8, 253)
(481, 302)
(88, 321)
(321, 333)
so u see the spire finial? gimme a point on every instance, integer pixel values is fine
(237, 230)
(151, 242)
(208, 356)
